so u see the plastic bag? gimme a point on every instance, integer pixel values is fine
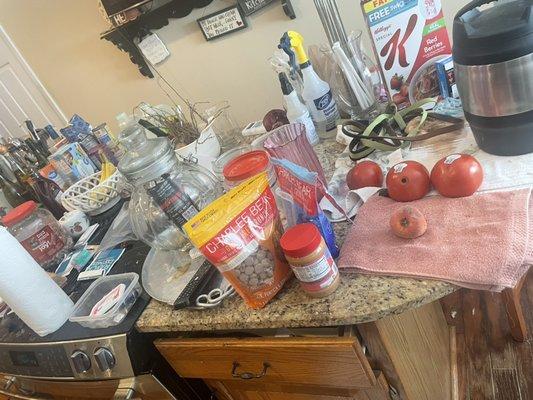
(120, 230)
(239, 233)
(302, 185)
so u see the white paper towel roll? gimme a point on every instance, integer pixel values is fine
(28, 290)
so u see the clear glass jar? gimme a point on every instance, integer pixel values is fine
(39, 233)
(326, 66)
(219, 117)
(167, 192)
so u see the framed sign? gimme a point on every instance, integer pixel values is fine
(251, 6)
(222, 22)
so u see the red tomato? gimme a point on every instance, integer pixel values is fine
(458, 175)
(364, 174)
(408, 181)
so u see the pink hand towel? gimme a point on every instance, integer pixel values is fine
(480, 242)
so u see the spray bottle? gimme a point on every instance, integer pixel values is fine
(296, 111)
(316, 93)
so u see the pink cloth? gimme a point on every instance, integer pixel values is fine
(480, 242)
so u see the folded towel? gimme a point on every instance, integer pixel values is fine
(482, 242)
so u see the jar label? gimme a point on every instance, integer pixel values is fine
(43, 245)
(173, 200)
(323, 283)
(315, 271)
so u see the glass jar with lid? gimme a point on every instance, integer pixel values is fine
(39, 233)
(167, 192)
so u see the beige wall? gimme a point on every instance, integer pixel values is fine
(60, 40)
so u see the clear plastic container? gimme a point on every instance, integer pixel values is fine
(39, 233)
(247, 165)
(226, 157)
(101, 287)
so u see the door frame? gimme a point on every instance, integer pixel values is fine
(5, 38)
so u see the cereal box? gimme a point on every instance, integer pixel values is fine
(409, 37)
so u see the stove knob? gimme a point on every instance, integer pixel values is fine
(104, 358)
(81, 361)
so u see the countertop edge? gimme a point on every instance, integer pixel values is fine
(319, 321)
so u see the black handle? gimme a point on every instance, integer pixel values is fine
(248, 375)
(471, 6)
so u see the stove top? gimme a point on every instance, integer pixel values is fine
(13, 330)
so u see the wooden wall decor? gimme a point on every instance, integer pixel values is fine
(251, 6)
(125, 36)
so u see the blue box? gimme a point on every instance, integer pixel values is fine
(446, 75)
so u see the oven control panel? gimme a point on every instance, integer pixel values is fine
(102, 358)
(41, 361)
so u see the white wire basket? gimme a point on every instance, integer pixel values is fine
(91, 196)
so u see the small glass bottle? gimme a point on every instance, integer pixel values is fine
(48, 193)
(22, 174)
(12, 192)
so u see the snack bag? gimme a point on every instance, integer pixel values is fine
(304, 187)
(239, 233)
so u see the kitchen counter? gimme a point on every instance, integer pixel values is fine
(359, 298)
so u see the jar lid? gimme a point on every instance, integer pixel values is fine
(246, 166)
(19, 213)
(145, 159)
(300, 240)
(495, 34)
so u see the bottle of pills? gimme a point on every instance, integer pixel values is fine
(310, 260)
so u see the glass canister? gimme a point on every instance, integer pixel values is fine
(39, 233)
(220, 119)
(163, 183)
(290, 142)
(248, 165)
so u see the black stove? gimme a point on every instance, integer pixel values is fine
(77, 352)
(74, 353)
(13, 330)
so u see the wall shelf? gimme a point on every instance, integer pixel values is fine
(125, 36)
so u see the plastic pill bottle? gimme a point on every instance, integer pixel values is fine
(310, 260)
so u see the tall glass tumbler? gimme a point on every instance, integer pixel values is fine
(290, 142)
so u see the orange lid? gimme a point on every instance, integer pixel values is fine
(300, 240)
(247, 165)
(19, 213)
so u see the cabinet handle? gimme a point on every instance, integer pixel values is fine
(248, 375)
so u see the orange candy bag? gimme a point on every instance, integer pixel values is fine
(239, 233)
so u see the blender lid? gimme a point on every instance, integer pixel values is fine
(500, 31)
(145, 159)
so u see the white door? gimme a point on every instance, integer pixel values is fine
(22, 96)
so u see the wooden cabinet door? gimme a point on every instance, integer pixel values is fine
(251, 391)
(336, 362)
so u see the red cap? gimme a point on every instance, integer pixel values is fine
(300, 240)
(246, 166)
(19, 213)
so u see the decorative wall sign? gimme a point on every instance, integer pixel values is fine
(222, 22)
(251, 6)
(153, 49)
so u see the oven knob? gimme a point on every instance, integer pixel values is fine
(104, 358)
(81, 361)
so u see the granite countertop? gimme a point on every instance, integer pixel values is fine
(358, 299)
